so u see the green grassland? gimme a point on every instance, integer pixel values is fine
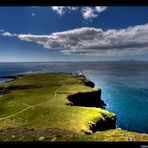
(37, 105)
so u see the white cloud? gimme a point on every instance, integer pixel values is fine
(61, 10)
(33, 14)
(100, 9)
(95, 41)
(7, 34)
(88, 13)
(58, 9)
(70, 9)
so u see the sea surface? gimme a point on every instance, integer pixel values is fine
(124, 86)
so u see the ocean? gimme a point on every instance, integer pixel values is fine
(124, 86)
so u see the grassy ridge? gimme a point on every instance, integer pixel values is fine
(45, 110)
(39, 102)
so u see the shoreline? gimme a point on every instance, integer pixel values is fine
(8, 78)
(79, 86)
(18, 76)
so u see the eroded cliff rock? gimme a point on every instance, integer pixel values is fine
(88, 99)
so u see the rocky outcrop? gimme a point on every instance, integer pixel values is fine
(85, 81)
(89, 83)
(93, 99)
(4, 91)
(88, 99)
(106, 124)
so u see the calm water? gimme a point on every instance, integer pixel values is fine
(124, 86)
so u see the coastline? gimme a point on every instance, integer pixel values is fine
(85, 81)
(87, 88)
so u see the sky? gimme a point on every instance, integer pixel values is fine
(68, 33)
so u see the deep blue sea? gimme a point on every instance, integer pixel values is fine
(124, 86)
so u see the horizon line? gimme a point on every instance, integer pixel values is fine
(74, 61)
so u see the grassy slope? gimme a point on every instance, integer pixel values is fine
(53, 111)
(45, 110)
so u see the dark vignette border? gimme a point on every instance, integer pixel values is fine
(73, 2)
(76, 3)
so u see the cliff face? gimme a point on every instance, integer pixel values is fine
(93, 99)
(50, 96)
(88, 99)
(89, 83)
(104, 124)
(52, 119)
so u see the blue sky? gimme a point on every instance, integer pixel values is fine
(40, 34)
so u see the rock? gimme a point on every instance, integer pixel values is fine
(58, 135)
(32, 129)
(49, 130)
(89, 83)
(88, 132)
(69, 104)
(13, 136)
(101, 125)
(87, 99)
(41, 138)
(53, 139)
(130, 139)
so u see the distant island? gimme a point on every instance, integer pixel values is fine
(130, 60)
(57, 107)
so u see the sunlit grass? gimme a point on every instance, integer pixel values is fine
(47, 110)
(45, 96)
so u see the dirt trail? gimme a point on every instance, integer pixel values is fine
(31, 106)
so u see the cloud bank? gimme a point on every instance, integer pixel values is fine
(94, 41)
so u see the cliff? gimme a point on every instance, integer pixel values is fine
(88, 99)
(38, 104)
(40, 101)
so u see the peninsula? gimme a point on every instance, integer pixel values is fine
(57, 107)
